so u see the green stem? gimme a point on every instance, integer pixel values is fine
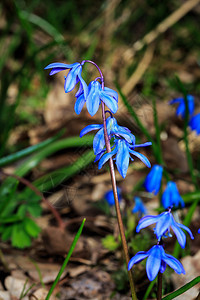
(159, 149)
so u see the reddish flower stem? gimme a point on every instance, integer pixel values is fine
(114, 186)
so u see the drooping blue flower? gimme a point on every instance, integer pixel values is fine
(123, 147)
(181, 109)
(95, 95)
(194, 123)
(123, 150)
(113, 129)
(164, 222)
(109, 196)
(139, 207)
(171, 196)
(199, 230)
(156, 261)
(72, 78)
(153, 180)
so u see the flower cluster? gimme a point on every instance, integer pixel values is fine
(194, 120)
(157, 258)
(122, 140)
(170, 196)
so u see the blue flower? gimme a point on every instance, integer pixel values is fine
(181, 109)
(109, 196)
(153, 180)
(156, 261)
(123, 150)
(164, 222)
(171, 196)
(113, 129)
(194, 123)
(139, 207)
(199, 230)
(95, 95)
(124, 145)
(73, 77)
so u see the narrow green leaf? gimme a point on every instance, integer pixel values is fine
(66, 260)
(183, 289)
(22, 153)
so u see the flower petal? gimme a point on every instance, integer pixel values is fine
(181, 237)
(99, 141)
(106, 157)
(80, 101)
(90, 128)
(109, 102)
(137, 258)
(146, 221)
(57, 67)
(173, 263)
(111, 92)
(187, 229)
(122, 158)
(141, 157)
(153, 262)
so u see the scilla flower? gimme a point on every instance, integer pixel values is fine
(164, 222)
(109, 196)
(112, 129)
(181, 109)
(156, 261)
(171, 196)
(139, 207)
(194, 123)
(153, 180)
(95, 95)
(73, 77)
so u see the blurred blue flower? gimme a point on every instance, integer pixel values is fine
(109, 196)
(164, 222)
(199, 230)
(73, 77)
(171, 196)
(181, 109)
(156, 261)
(194, 123)
(139, 207)
(95, 95)
(153, 180)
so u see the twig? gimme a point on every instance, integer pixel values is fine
(161, 28)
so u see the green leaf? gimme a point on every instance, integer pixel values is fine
(31, 227)
(183, 289)
(20, 237)
(7, 233)
(34, 209)
(21, 211)
(110, 243)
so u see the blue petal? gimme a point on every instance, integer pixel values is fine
(83, 85)
(90, 128)
(106, 157)
(99, 141)
(109, 102)
(122, 158)
(143, 145)
(112, 93)
(129, 137)
(163, 224)
(80, 101)
(72, 79)
(137, 258)
(153, 262)
(173, 263)
(59, 67)
(142, 158)
(179, 234)
(93, 100)
(146, 221)
(187, 229)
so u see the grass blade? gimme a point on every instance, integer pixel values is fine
(66, 260)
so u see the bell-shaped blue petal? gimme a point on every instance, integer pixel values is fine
(171, 196)
(146, 221)
(141, 157)
(173, 263)
(194, 123)
(153, 262)
(106, 157)
(137, 258)
(153, 180)
(122, 157)
(181, 109)
(93, 99)
(109, 101)
(80, 101)
(109, 196)
(111, 92)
